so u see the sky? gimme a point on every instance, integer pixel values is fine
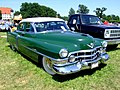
(63, 6)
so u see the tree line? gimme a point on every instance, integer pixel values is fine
(29, 10)
(98, 11)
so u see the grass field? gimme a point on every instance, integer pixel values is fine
(19, 73)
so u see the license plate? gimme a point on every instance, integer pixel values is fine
(94, 65)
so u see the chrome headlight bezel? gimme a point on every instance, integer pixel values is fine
(107, 33)
(63, 53)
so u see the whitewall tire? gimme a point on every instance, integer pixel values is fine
(46, 62)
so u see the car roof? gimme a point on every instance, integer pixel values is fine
(82, 14)
(41, 19)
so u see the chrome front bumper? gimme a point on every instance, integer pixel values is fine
(113, 41)
(77, 66)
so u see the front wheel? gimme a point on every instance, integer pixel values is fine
(47, 65)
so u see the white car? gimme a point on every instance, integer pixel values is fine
(4, 27)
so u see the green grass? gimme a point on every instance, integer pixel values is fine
(18, 73)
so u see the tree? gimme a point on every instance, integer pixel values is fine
(58, 15)
(118, 18)
(108, 17)
(0, 14)
(99, 11)
(35, 10)
(71, 12)
(64, 18)
(112, 18)
(47, 12)
(82, 9)
(104, 17)
(17, 13)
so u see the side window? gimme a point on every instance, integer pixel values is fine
(71, 20)
(29, 27)
(74, 20)
(21, 27)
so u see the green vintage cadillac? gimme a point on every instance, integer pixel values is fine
(62, 51)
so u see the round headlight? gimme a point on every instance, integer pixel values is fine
(104, 43)
(72, 58)
(63, 53)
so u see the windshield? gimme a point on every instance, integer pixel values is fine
(51, 25)
(92, 20)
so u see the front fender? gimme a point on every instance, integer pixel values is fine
(48, 49)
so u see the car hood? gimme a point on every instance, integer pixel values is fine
(70, 40)
(106, 26)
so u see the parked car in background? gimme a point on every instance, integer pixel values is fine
(62, 51)
(92, 25)
(3, 27)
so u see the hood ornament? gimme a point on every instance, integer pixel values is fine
(91, 45)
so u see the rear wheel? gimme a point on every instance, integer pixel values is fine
(47, 65)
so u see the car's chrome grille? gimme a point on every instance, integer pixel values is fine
(115, 33)
(87, 55)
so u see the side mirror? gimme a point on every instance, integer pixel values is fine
(75, 24)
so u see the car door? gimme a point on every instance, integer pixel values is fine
(12, 37)
(74, 23)
(19, 33)
(25, 40)
(90, 25)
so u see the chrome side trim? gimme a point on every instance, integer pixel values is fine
(54, 59)
(34, 50)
